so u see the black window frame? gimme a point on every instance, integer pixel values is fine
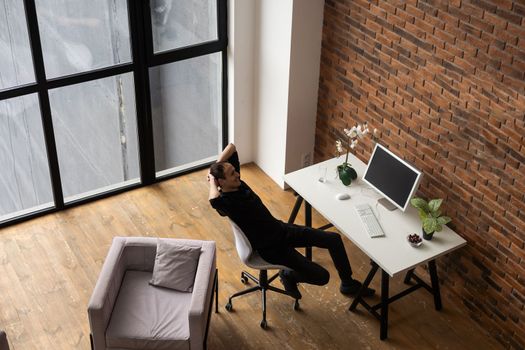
(143, 58)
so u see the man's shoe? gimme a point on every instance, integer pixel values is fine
(353, 286)
(290, 286)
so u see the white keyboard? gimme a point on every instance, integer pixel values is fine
(369, 220)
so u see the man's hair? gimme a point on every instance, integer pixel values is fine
(217, 170)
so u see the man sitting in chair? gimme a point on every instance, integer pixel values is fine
(274, 240)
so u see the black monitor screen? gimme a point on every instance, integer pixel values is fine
(391, 176)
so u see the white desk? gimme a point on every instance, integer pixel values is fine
(391, 253)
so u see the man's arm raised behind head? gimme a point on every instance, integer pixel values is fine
(226, 153)
(213, 182)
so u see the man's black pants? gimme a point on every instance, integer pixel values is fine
(305, 270)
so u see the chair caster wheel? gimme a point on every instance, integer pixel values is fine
(264, 324)
(296, 305)
(244, 280)
(228, 307)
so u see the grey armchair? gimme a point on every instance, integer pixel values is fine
(126, 312)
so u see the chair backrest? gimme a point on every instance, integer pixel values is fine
(243, 245)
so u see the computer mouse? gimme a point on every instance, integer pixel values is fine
(342, 196)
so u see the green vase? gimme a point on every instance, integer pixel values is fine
(346, 173)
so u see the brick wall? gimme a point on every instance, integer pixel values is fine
(444, 81)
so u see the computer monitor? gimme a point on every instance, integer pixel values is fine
(392, 177)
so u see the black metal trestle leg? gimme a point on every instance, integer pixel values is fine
(435, 284)
(365, 285)
(295, 209)
(384, 305)
(308, 223)
(408, 276)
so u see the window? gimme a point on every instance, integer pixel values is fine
(103, 96)
(24, 182)
(186, 111)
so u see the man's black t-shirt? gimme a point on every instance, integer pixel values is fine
(247, 210)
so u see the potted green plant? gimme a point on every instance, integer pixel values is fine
(430, 216)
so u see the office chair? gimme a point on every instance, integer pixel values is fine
(252, 259)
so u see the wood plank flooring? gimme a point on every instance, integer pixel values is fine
(49, 266)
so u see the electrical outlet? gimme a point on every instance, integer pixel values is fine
(306, 159)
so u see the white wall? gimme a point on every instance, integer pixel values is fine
(241, 15)
(273, 35)
(307, 26)
(274, 58)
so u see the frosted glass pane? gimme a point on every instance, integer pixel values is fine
(96, 135)
(186, 106)
(16, 65)
(180, 23)
(25, 183)
(79, 36)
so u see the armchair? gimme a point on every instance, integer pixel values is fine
(126, 312)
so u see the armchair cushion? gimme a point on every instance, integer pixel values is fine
(145, 317)
(175, 266)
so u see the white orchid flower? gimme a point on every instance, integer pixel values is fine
(376, 132)
(359, 131)
(354, 143)
(351, 132)
(339, 146)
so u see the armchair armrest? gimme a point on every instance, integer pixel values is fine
(203, 288)
(106, 290)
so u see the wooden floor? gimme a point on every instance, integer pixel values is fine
(48, 268)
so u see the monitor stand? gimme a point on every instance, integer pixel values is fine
(387, 204)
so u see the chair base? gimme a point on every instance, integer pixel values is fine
(263, 285)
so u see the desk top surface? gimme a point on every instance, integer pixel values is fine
(391, 252)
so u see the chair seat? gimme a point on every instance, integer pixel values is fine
(147, 317)
(255, 261)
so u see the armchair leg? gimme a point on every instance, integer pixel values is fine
(216, 290)
(91, 341)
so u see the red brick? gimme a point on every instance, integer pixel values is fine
(482, 25)
(385, 5)
(477, 42)
(506, 35)
(503, 4)
(495, 20)
(501, 55)
(378, 11)
(471, 9)
(414, 11)
(443, 35)
(407, 17)
(464, 64)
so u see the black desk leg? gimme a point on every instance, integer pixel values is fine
(365, 285)
(308, 223)
(384, 305)
(295, 209)
(435, 284)
(408, 276)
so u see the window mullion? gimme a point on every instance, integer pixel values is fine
(43, 97)
(137, 9)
